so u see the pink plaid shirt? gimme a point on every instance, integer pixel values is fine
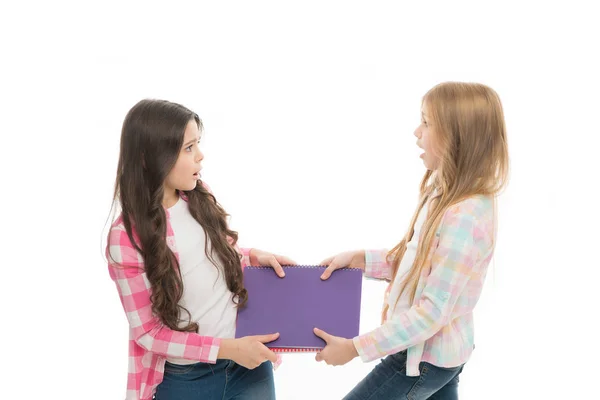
(438, 328)
(150, 341)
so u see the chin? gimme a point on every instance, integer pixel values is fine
(190, 187)
(429, 165)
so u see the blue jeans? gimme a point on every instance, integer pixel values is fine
(224, 380)
(388, 381)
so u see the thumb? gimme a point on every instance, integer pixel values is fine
(267, 338)
(329, 270)
(322, 334)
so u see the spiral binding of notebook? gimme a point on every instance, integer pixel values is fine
(297, 303)
(296, 350)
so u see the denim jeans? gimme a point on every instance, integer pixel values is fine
(388, 381)
(224, 380)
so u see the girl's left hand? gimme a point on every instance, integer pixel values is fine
(338, 351)
(260, 257)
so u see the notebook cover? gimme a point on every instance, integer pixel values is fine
(297, 303)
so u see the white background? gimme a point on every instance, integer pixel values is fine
(309, 109)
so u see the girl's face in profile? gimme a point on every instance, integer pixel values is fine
(186, 172)
(425, 140)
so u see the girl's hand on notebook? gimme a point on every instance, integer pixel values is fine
(350, 259)
(260, 257)
(338, 350)
(249, 351)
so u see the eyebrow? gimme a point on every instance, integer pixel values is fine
(192, 141)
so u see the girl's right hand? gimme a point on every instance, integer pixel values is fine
(350, 259)
(248, 351)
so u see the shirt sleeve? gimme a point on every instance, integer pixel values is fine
(245, 256)
(126, 270)
(455, 261)
(377, 265)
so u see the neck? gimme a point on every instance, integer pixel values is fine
(170, 198)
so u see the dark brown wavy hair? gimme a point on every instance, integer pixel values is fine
(151, 141)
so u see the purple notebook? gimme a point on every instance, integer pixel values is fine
(294, 305)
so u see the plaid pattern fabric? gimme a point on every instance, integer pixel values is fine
(150, 341)
(377, 265)
(438, 328)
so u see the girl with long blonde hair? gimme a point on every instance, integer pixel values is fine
(437, 271)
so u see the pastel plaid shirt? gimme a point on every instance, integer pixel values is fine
(150, 341)
(438, 326)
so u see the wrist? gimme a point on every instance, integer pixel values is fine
(359, 259)
(252, 257)
(352, 348)
(228, 349)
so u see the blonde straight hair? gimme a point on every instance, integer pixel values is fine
(469, 134)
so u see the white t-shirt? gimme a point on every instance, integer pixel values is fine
(205, 292)
(405, 265)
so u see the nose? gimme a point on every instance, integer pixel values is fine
(199, 156)
(417, 133)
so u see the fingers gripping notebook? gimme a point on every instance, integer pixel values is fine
(299, 302)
